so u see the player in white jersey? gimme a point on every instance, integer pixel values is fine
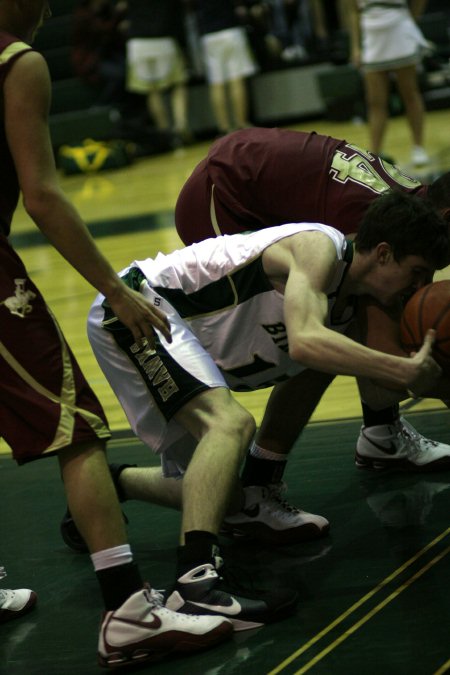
(248, 310)
(228, 326)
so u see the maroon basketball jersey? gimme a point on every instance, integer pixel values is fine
(267, 177)
(264, 177)
(10, 49)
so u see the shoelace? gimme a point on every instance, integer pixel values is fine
(275, 492)
(154, 598)
(4, 595)
(404, 431)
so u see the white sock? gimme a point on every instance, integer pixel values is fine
(112, 557)
(262, 453)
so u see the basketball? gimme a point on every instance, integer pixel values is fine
(428, 308)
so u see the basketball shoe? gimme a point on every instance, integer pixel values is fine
(202, 591)
(268, 517)
(142, 629)
(15, 603)
(399, 446)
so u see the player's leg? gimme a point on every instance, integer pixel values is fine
(377, 100)
(157, 109)
(387, 439)
(90, 489)
(47, 407)
(147, 484)
(223, 431)
(187, 415)
(408, 87)
(215, 64)
(219, 103)
(288, 410)
(239, 102)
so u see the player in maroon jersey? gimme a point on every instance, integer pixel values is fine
(46, 405)
(257, 178)
(264, 177)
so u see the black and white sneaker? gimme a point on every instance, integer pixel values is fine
(202, 591)
(400, 446)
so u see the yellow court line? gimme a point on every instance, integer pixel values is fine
(358, 604)
(443, 669)
(372, 613)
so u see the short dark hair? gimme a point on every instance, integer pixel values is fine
(409, 224)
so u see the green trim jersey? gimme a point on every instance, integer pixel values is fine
(228, 328)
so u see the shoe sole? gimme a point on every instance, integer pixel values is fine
(186, 644)
(378, 464)
(267, 535)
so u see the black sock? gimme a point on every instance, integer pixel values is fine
(200, 547)
(118, 583)
(373, 418)
(258, 471)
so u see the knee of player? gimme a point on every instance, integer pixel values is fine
(243, 425)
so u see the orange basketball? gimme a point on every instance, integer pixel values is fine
(428, 308)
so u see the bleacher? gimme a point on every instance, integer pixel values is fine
(72, 117)
(277, 97)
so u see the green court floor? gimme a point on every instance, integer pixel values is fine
(375, 593)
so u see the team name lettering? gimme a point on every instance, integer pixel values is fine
(278, 333)
(156, 372)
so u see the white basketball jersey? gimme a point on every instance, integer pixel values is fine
(220, 289)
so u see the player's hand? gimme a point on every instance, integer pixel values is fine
(136, 312)
(426, 371)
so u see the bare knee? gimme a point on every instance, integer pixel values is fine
(245, 426)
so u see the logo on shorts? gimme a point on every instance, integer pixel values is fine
(19, 303)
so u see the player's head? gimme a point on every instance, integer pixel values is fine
(409, 225)
(439, 195)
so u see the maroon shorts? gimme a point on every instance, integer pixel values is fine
(45, 402)
(193, 217)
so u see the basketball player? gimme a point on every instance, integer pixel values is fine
(258, 178)
(46, 405)
(248, 311)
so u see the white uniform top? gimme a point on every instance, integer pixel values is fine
(219, 288)
(228, 329)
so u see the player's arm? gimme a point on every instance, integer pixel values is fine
(26, 106)
(381, 331)
(308, 261)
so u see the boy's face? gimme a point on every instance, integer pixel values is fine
(396, 279)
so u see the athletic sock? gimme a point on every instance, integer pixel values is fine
(117, 575)
(263, 467)
(374, 418)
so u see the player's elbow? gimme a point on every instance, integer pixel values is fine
(39, 201)
(302, 351)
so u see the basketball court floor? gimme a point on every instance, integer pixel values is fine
(374, 593)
